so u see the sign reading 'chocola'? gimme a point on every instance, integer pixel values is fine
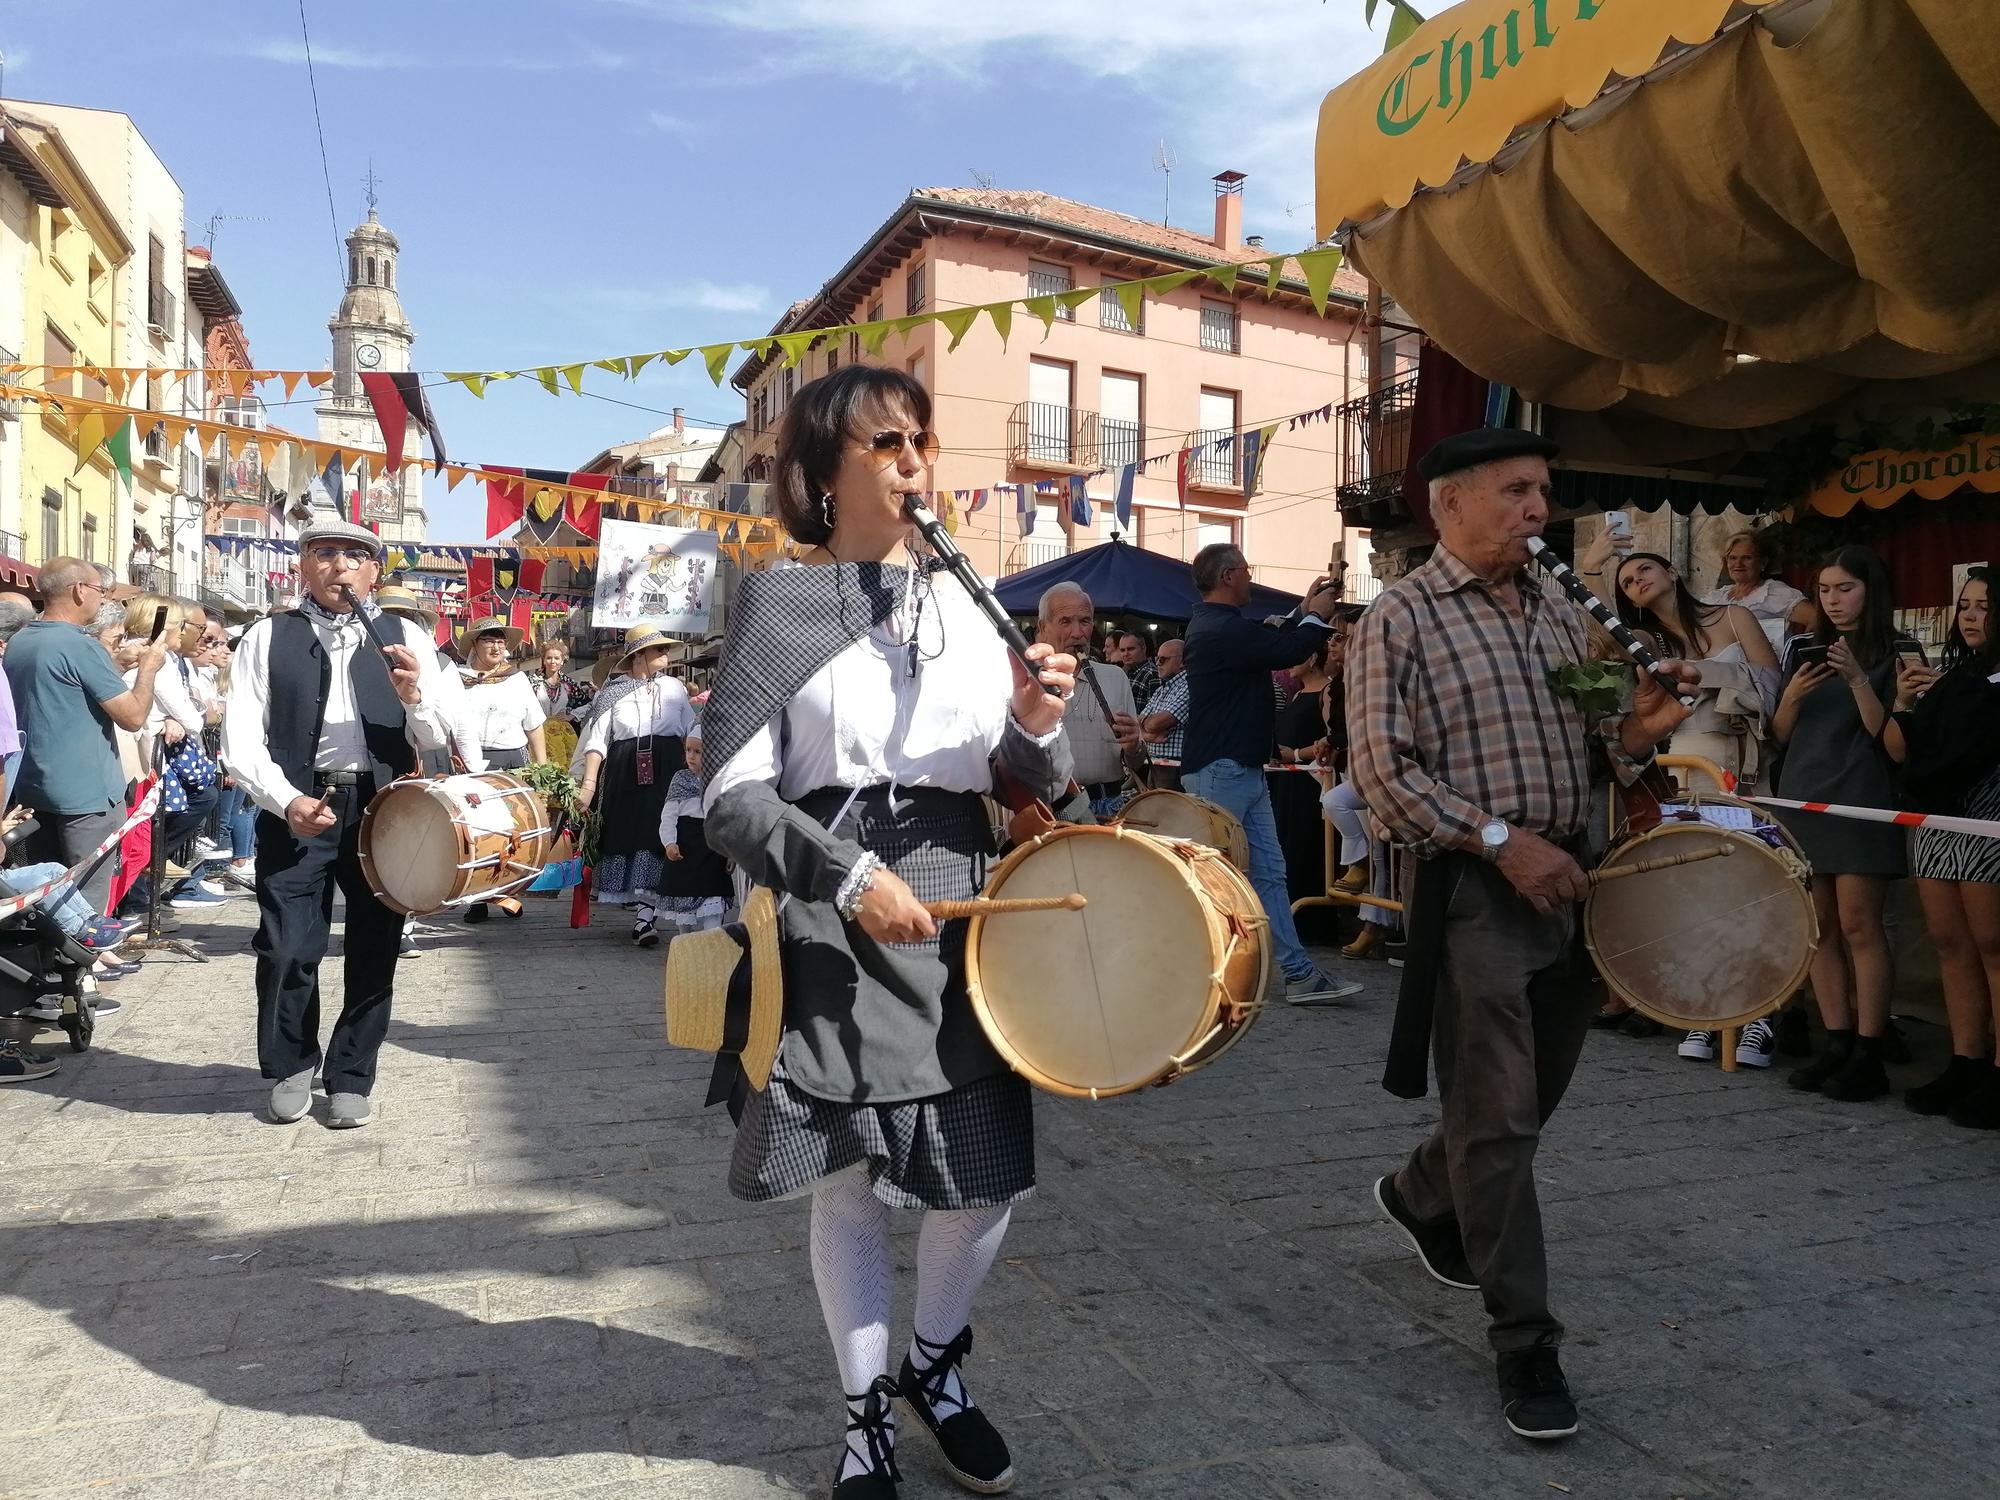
(1884, 476)
(1443, 76)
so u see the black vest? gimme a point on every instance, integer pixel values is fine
(301, 673)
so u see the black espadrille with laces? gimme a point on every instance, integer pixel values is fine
(1534, 1396)
(878, 1446)
(975, 1455)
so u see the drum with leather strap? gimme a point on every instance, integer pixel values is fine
(427, 843)
(1708, 945)
(1179, 815)
(1160, 974)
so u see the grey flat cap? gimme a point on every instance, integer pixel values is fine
(333, 529)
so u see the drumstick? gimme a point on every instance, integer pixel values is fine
(1074, 901)
(1599, 611)
(1619, 872)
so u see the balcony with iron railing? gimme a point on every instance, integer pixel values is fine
(1119, 442)
(14, 545)
(1218, 465)
(1375, 453)
(1041, 435)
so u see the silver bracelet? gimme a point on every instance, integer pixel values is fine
(847, 900)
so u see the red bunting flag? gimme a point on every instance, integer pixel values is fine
(390, 414)
(1181, 476)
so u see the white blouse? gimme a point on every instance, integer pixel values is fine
(1772, 602)
(502, 712)
(657, 706)
(863, 719)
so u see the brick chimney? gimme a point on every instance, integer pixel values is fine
(680, 419)
(1228, 212)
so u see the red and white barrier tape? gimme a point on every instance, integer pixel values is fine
(1978, 827)
(13, 905)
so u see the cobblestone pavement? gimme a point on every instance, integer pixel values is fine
(526, 1277)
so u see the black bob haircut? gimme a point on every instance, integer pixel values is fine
(820, 421)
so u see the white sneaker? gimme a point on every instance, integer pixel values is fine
(243, 877)
(1756, 1045)
(207, 848)
(1699, 1045)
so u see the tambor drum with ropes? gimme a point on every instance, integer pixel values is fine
(1178, 815)
(1160, 974)
(427, 843)
(1712, 944)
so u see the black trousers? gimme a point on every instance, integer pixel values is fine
(295, 883)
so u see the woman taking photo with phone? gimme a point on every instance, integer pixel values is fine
(1945, 732)
(1830, 716)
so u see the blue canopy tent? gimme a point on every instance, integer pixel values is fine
(1125, 580)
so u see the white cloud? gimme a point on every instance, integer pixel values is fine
(1235, 88)
(667, 124)
(581, 57)
(701, 296)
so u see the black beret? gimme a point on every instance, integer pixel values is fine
(1482, 445)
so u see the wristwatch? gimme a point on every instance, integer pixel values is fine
(1492, 839)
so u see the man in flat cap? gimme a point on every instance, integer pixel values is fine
(317, 722)
(1459, 743)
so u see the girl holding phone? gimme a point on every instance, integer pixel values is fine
(1945, 732)
(1838, 688)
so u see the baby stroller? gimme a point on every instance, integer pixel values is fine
(45, 976)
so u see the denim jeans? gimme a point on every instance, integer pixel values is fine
(71, 912)
(1241, 791)
(237, 822)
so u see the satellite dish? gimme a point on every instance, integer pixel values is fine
(1163, 161)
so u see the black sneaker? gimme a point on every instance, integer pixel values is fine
(1961, 1076)
(1439, 1247)
(975, 1455)
(1863, 1078)
(1839, 1049)
(476, 913)
(20, 1066)
(1534, 1396)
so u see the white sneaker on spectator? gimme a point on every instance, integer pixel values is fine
(215, 885)
(1756, 1045)
(243, 876)
(1699, 1045)
(207, 848)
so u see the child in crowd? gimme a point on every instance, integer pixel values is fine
(696, 887)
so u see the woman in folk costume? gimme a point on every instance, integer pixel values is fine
(500, 713)
(859, 713)
(630, 748)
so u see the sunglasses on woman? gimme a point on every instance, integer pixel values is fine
(888, 444)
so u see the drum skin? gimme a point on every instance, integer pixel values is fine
(1160, 974)
(1709, 945)
(430, 842)
(1179, 815)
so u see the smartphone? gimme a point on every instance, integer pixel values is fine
(1911, 654)
(1619, 524)
(1812, 653)
(159, 624)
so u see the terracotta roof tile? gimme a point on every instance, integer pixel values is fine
(1069, 214)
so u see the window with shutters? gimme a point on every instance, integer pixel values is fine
(1219, 332)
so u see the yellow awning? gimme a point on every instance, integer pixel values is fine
(1469, 78)
(1797, 210)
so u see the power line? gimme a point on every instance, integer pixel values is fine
(319, 129)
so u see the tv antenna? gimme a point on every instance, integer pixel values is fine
(1163, 159)
(216, 221)
(982, 179)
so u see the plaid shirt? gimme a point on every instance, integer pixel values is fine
(1451, 720)
(1145, 680)
(1172, 698)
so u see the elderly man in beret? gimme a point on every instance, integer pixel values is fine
(1461, 745)
(317, 722)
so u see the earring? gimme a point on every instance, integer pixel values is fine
(826, 510)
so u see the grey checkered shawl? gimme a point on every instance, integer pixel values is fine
(783, 627)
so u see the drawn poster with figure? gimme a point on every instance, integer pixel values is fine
(658, 575)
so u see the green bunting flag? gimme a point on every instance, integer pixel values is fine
(1225, 276)
(119, 447)
(1319, 267)
(1002, 314)
(1131, 297)
(547, 376)
(472, 382)
(957, 322)
(795, 345)
(1043, 307)
(717, 357)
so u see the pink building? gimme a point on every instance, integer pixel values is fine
(1097, 392)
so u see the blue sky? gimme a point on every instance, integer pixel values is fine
(572, 179)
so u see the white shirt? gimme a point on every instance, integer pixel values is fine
(172, 699)
(1772, 602)
(861, 720)
(658, 705)
(1092, 745)
(245, 745)
(500, 713)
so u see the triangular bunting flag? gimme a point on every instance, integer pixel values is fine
(1024, 507)
(1043, 307)
(290, 379)
(615, 366)
(473, 382)
(1075, 297)
(1256, 448)
(957, 322)
(1121, 498)
(672, 357)
(1181, 476)
(1131, 297)
(794, 345)
(119, 446)
(411, 388)
(1319, 267)
(1079, 500)
(872, 337)
(390, 414)
(547, 376)
(717, 358)
(574, 375)
(319, 379)
(89, 436)
(1225, 276)
(1002, 314)
(1274, 271)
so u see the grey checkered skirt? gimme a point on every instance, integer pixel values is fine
(969, 1146)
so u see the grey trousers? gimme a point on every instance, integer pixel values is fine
(1511, 1020)
(65, 838)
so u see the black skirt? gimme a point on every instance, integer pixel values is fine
(629, 857)
(700, 871)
